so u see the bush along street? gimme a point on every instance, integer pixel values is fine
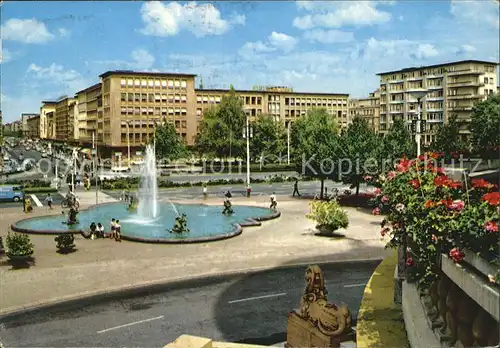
(433, 214)
(131, 183)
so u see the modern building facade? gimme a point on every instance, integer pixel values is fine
(65, 120)
(33, 127)
(24, 122)
(452, 90)
(46, 108)
(367, 108)
(89, 104)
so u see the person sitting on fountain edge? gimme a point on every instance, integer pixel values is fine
(118, 235)
(112, 228)
(100, 230)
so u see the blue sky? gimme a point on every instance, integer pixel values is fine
(51, 49)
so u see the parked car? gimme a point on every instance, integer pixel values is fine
(11, 193)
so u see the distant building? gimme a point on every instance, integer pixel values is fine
(367, 108)
(33, 127)
(24, 122)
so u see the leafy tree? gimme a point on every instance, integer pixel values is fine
(313, 140)
(396, 144)
(485, 126)
(169, 144)
(221, 129)
(448, 138)
(356, 153)
(269, 137)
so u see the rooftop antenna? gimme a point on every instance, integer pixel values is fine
(201, 83)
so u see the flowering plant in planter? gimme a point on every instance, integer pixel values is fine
(433, 214)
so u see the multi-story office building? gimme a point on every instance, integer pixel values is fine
(452, 90)
(89, 107)
(46, 108)
(282, 103)
(33, 127)
(65, 119)
(24, 122)
(367, 108)
(12, 127)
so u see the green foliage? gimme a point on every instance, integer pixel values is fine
(221, 128)
(485, 127)
(434, 214)
(313, 140)
(397, 143)
(65, 241)
(329, 216)
(19, 244)
(448, 138)
(169, 144)
(269, 137)
(358, 144)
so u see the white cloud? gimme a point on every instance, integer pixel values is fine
(400, 49)
(202, 20)
(5, 55)
(481, 12)
(275, 41)
(57, 77)
(329, 36)
(141, 59)
(29, 31)
(337, 14)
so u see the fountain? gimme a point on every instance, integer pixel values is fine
(154, 221)
(147, 210)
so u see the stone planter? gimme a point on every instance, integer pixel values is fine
(483, 266)
(19, 258)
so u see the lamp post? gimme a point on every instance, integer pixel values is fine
(418, 124)
(247, 134)
(288, 142)
(128, 144)
(74, 171)
(94, 152)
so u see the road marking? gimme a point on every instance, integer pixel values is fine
(36, 200)
(257, 297)
(130, 324)
(354, 285)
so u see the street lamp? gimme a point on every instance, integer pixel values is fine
(247, 133)
(128, 143)
(419, 94)
(288, 141)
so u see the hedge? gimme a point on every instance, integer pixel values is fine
(28, 183)
(40, 190)
(216, 167)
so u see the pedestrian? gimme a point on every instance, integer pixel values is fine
(205, 191)
(118, 235)
(100, 230)
(296, 188)
(49, 200)
(228, 194)
(112, 227)
(274, 203)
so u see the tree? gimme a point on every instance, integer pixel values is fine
(269, 137)
(448, 137)
(396, 144)
(357, 151)
(169, 144)
(221, 129)
(313, 139)
(485, 126)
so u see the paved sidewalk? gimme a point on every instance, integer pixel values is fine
(103, 265)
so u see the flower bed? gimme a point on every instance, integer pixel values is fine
(362, 200)
(433, 214)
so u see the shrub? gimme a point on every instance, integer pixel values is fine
(329, 216)
(19, 244)
(362, 200)
(65, 242)
(40, 189)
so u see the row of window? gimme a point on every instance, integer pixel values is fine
(146, 124)
(152, 83)
(153, 97)
(153, 111)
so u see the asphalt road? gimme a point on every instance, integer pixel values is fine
(251, 308)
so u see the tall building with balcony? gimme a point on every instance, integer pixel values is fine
(89, 107)
(367, 108)
(282, 103)
(452, 90)
(65, 119)
(46, 108)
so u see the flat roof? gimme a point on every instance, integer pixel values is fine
(131, 72)
(264, 92)
(97, 85)
(437, 66)
(49, 102)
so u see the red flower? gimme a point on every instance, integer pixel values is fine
(445, 181)
(384, 231)
(457, 205)
(391, 175)
(481, 183)
(491, 226)
(377, 192)
(493, 198)
(404, 165)
(376, 211)
(429, 204)
(368, 178)
(415, 183)
(456, 254)
(410, 262)
(385, 199)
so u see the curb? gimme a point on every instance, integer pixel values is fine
(154, 286)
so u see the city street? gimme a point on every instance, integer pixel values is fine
(251, 308)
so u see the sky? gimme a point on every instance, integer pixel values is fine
(51, 49)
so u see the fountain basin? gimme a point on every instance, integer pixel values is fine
(206, 222)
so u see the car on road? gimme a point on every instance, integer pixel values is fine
(11, 193)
